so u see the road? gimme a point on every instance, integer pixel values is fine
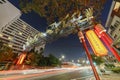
(74, 75)
(81, 73)
(50, 74)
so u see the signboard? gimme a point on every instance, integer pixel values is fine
(96, 44)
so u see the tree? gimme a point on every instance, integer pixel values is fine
(1, 44)
(33, 57)
(6, 53)
(58, 9)
(53, 61)
(44, 61)
(97, 60)
(30, 60)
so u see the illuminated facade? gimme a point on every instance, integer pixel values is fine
(14, 31)
(113, 24)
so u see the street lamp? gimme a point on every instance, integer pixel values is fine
(60, 59)
(83, 61)
(44, 34)
(72, 60)
(87, 62)
(62, 56)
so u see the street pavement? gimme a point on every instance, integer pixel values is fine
(81, 73)
(111, 76)
(49, 74)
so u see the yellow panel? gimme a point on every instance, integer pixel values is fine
(96, 44)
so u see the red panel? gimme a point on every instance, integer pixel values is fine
(111, 49)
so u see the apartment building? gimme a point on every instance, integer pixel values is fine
(113, 24)
(13, 30)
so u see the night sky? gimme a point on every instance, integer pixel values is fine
(68, 46)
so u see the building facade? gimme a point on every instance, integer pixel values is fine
(13, 30)
(113, 24)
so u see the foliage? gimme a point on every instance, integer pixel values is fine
(33, 57)
(6, 53)
(116, 69)
(54, 10)
(38, 59)
(97, 60)
(51, 60)
(109, 65)
(44, 61)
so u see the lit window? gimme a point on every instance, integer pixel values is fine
(20, 33)
(24, 27)
(10, 38)
(10, 45)
(1, 35)
(116, 7)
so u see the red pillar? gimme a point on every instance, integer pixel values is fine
(107, 40)
(81, 37)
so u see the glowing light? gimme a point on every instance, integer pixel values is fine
(62, 56)
(10, 45)
(97, 46)
(72, 60)
(10, 38)
(44, 34)
(20, 33)
(24, 27)
(1, 35)
(21, 58)
(78, 61)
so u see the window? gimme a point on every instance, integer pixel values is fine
(115, 36)
(5, 36)
(117, 23)
(4, 1)
(111, 32)
(112, 28)
(1, 35)
(1, 2)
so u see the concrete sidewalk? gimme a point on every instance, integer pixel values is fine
(112, 76)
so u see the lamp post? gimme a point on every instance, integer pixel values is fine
(73, 61)
(78, 60)
(63, 57)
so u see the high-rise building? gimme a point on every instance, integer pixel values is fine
(113, 24)
(13, 30)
